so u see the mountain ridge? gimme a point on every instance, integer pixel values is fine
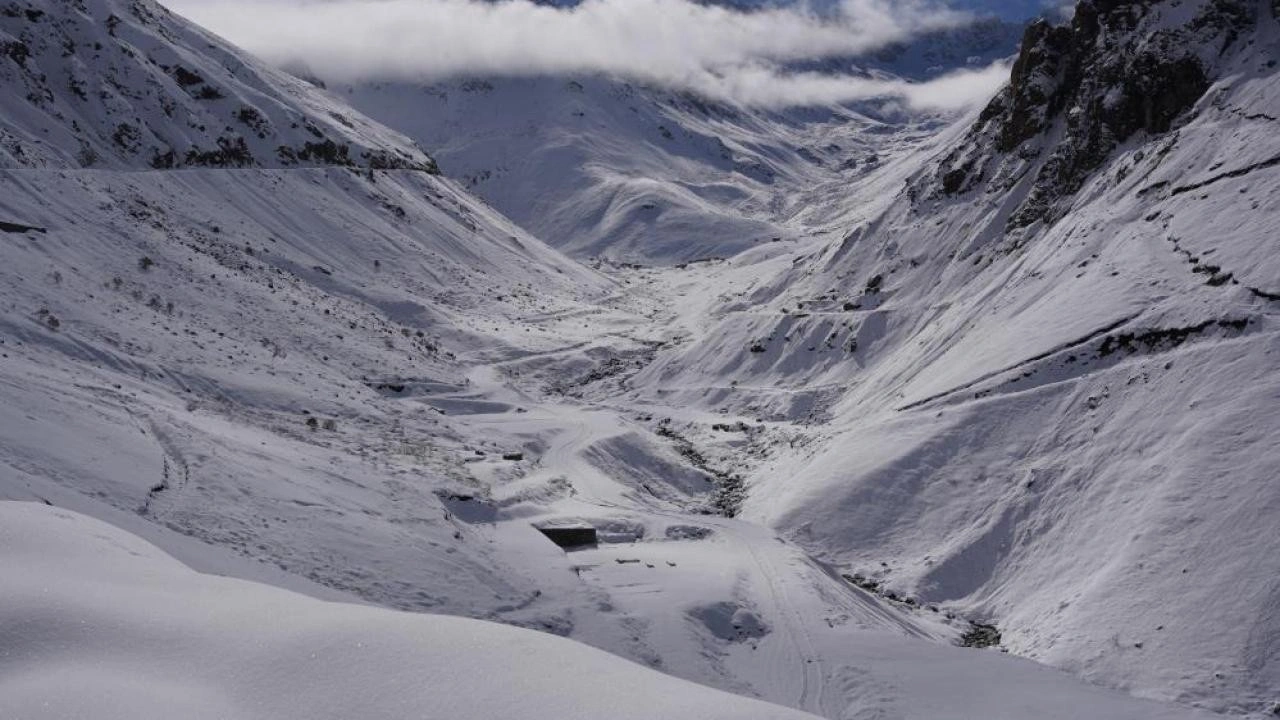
(235, 112)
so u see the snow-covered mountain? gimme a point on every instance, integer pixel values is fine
(158, 321)
(137, 88)
(1041, 381)
(601, 167)
(1002, 380)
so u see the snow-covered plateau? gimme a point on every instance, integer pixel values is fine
(561, 397)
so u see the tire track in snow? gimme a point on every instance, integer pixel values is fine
(812, 672)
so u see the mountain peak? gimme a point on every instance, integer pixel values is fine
(107, 83)
(1078, 90)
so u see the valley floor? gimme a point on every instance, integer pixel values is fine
(527, 439)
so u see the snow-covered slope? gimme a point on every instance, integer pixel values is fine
(95, 622)
(602, 167)
(1045, 374)
(121, 85)
(157, 322)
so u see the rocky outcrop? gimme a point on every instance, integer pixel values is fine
(1076, 91)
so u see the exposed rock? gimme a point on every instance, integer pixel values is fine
(1077, 91)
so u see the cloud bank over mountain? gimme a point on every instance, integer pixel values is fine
(713, 50)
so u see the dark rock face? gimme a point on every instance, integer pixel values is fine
(570, 537)
(1077, 91)
(1031, 98)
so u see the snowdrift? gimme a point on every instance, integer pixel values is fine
(95, 622)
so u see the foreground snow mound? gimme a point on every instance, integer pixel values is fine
(95, 622)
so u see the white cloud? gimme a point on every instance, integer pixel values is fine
(767, 87)
(716, 51)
